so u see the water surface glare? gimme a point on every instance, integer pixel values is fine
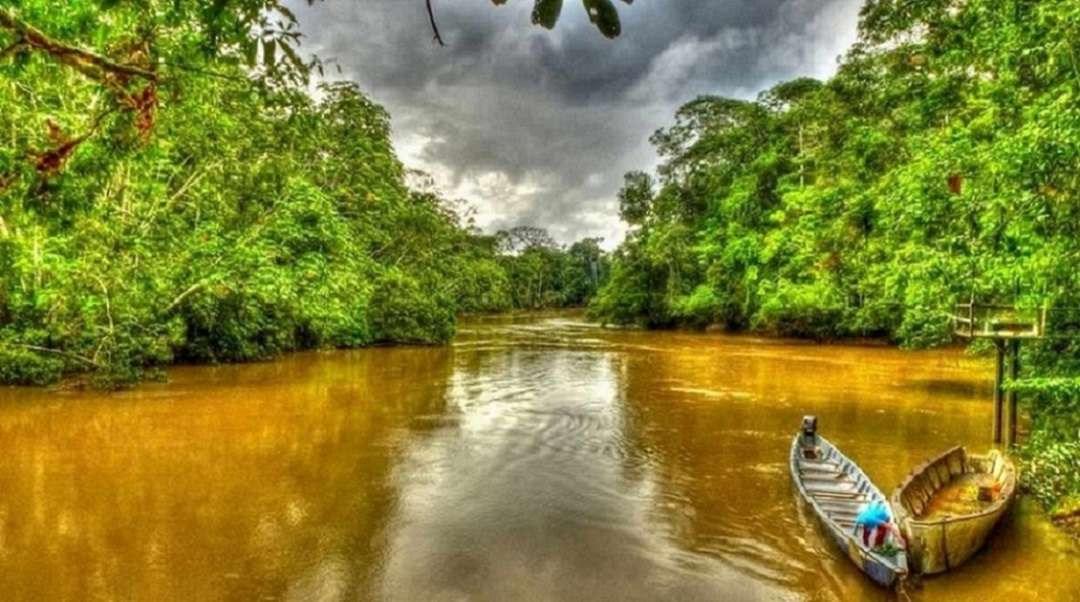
(537, 458)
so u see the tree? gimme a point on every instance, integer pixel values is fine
(636, 197)
(232, 218)
(524, 238)
(148, 49)
(585, 269)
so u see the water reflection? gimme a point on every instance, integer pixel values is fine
(540, 458)
(263, 481)
(536, 458)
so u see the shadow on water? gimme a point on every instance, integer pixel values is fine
(955, 388)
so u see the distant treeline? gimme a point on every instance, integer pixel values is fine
(539, 273)
(940, 164)
(169, 191)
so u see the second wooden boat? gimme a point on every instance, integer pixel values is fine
(837, 491)
(949, 505)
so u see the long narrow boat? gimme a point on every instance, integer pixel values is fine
(837, 490)
(949, 505)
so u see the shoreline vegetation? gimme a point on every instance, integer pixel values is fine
(171, 191)
(940, 165)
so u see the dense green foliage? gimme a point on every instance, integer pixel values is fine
(1052, 455)
(940, 164)
(207, 208)
(542, 274)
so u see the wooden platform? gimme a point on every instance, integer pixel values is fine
(1006, 326)
(975, 321)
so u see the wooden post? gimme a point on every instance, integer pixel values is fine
(1014, 372)
(1006, 326)
(999, 378)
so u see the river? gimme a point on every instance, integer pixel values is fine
(537, 458)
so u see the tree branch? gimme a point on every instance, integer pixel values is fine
(53, 159)
(14, 48)
(180, 298)
(72, 356)
(434, 27)
(88, 63)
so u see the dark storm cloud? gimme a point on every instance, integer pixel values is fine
(537, 127)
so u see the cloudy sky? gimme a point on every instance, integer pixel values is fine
(537, 127)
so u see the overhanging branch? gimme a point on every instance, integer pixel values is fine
(90, 64)
(434, 26)
(13, 49)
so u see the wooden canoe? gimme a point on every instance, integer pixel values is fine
(836, 489)
(938, 510)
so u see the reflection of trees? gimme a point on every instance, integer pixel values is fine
(237, 482)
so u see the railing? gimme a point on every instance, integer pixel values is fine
(1009, 325)
(973, 320)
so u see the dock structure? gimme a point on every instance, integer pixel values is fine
(999, 322)
(1006, 326)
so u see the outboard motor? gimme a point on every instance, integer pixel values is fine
(808, 437)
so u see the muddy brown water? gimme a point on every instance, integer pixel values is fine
(537, 458)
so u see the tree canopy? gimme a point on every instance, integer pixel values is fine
(170, 191)
(941, 164)
(936, 166)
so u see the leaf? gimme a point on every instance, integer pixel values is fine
(269, 53)
(251, 52)
(602, 13)
(546, 13)
(294, 58)
(290, 15)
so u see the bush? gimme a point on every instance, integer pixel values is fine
(403, 313)
(801, 310)
(698, 309)
(1050, 467)
(1053, 397)
(483, 287)
(924, 327)
(1050, 458)
(26, 367)
(625, 302)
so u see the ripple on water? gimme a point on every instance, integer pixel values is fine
(541, 460)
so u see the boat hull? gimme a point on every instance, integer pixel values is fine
(937, 545)
(835, 510)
